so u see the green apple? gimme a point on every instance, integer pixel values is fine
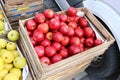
(8, 66)
(16, 71)
(15, 53)
(1, 63)
(19, 62)
(2, 51)
(2, 25)
(11, 46)
(3, 43)
(13, 35)
(11, 76)
(1, 16)
(3, 72)
(2, 32)
(8, 57)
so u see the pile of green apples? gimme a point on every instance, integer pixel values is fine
(2, 24)
(11, 62)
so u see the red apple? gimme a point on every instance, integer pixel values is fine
(54, 31)
(72, 11)
(83, 22)
(86, 48)
(62, 23)
(38, 36)
(48, 35)
(65, 41)
(31, 25)
(81, 46)
(93, 35)
(45, 60)
(79, 32)
(34, 43)
(45, 43)
(63, 29)
(63, 17)
(72, 24)
(76, 18)
(39, 18)
(74, 41)
(82, 40)
(89, 42)
(54, 24)
(47, 21)
(57, 36)
(50, 51)
(57, 16)
(70, 32)
(43, 27)
(88, 32)
(56, 58)
(69, 19)
(30, 33)
(35, 31)
(57, 46)
(98, 42)
(63, 53)
(49, 13)
(40, 51)
(73, 49)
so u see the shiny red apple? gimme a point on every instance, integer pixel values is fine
(40, 51)
(63, 29)
(49, 13)
(64, 53)
(31, 25)
(89, 42)
(38, 36)
(74, 41)
(56, 58)
(57, 36)
(54, 24)
(50, 51)
(71, 32)
(72, 24)
(45, 43)
(72, 11)
(43, 27)
(79, 32)
(48, 35)
(63, 17)
(65, 40)
(57, 46)
(45, 60)
(39, 18)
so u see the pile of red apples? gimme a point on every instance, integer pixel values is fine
(57, 36)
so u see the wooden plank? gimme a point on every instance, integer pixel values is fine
(71, 72)
(73, 61)
(24, 5)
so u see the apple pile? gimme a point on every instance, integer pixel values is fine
(58, 36)
(11, 63)
(2, 24)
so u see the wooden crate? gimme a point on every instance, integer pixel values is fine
(23, 10)
(16, 1)
(68, 67)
